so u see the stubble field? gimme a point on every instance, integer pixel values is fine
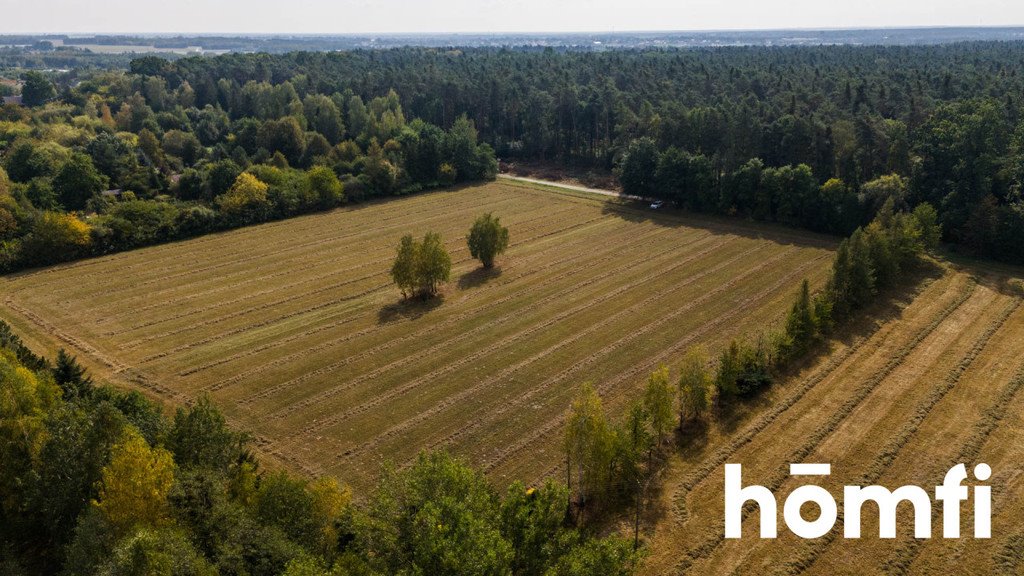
(295, 330)
(932, 382)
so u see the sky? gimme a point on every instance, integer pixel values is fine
(422, 16)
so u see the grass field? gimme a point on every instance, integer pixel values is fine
(295, 330)
(937, 380)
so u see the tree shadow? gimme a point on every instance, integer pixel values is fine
(672, 217)
(691, 438)
(1007, 279)
(408, 309)
(478, 277)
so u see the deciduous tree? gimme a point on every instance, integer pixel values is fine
(659, 403)
(695, 381)
(487, 238)
(135, 484)
(434, 265)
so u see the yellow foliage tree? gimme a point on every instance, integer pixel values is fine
(329, 502)
(25, 400)
(134, 485)
(246, 193)
(60, 235)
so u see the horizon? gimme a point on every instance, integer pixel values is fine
(171, 34)
(399, 17)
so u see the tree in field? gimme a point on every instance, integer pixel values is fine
(695, 383)
(420, 267)
(434, 265)
(403, 270)
(634, 442)
(487, 238)
(77, 181)
(862, 273)
(37, 89)
(135, 484)
(659, 402)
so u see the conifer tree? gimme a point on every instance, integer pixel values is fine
(71, 376)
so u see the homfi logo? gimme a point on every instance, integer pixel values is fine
(951, 494)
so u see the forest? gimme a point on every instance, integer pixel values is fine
(849, 126)
(813, 137)
(121, 161)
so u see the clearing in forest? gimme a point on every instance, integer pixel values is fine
(294, 329)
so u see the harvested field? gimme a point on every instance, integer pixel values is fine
(935, 381)
(295, 330)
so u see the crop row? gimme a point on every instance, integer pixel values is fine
(502, 375)
(433, 328)
(508, 340)
(706, 548)
(884, 459)
(638, 370)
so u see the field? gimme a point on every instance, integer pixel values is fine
(934, 381)
(295, 330)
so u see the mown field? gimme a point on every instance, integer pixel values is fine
(296, 331)
(932, 382)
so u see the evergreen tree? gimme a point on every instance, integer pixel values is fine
(801, 325)
(729, 371)
(73, 379)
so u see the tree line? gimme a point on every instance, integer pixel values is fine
(611, 462)
(99, 481)
(817, 137)
(943, 122)
(120, 161)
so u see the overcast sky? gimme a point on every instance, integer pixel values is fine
(369, 16)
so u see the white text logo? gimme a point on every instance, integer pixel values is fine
(951, 493)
